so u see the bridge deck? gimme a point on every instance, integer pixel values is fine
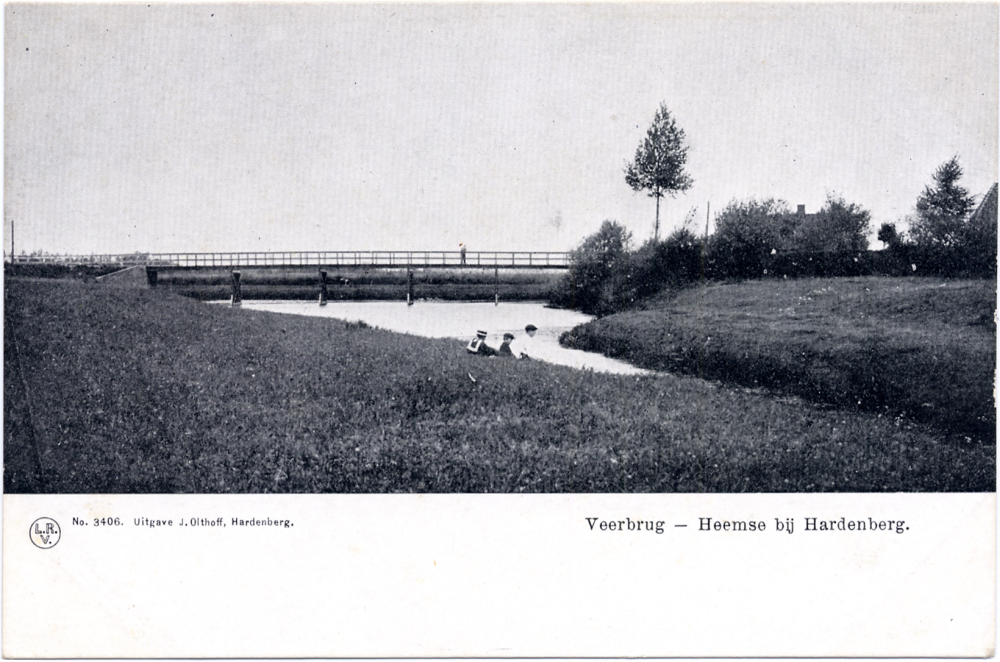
(505, 259)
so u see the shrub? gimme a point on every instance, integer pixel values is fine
(746, 234)
(605, 277)
(668, 264)
(839, 226)
(598, 279)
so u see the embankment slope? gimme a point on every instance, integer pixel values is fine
(914, 349)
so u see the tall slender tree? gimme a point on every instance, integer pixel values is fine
(943, 208)
(659, 162)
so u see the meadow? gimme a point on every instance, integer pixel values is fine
(908, 349)
(129, 390)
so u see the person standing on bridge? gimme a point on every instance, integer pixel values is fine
(461, 252)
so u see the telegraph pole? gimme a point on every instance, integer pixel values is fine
(704, 242)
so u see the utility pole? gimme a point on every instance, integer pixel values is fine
(704, 242)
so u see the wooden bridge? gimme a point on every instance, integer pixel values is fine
(383, 259)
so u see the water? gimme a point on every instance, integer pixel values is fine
(461, 320)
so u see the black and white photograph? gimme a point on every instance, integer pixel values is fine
(388, 256)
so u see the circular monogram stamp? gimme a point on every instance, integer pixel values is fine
(44, 532)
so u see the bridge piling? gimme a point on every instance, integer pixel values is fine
(409, 287)
(322, 287)
(237, 290)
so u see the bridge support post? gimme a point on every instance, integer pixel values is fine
(237, 289)
(496, 286)
(322, 287)
(409, 287)
(151, 276)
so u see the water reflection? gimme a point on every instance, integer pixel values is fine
(461, 320)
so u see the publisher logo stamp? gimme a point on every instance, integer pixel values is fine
(45, 532)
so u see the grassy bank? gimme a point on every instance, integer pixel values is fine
(918, 349)
(128, 390)
(65, 271)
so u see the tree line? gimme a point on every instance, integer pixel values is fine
(760, 238)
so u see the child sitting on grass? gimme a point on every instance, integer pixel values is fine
(505, 346)
(478, 345)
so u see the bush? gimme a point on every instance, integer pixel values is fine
(746, 234)
(839, 226)
(598, 278)
(605, 277)
(669, 264)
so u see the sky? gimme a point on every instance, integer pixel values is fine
(282, 127)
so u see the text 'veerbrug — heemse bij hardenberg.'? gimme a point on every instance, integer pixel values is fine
(786, 525)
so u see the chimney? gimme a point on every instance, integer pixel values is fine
(802, 210)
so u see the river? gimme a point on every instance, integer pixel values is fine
(461, 320)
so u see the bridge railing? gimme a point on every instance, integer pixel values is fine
(93, 259)
(536, 259)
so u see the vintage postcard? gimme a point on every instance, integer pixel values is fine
(393, 330)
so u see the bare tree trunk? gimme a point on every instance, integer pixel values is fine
(656, 228)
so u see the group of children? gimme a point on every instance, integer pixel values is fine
(519, 351)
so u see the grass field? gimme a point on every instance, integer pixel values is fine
(916, 349)
(123, 390)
